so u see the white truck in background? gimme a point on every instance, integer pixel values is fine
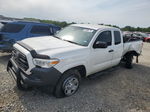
(76, 51)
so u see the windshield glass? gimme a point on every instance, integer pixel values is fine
(12, 28)
(77, 35)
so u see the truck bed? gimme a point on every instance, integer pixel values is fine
(133, 46)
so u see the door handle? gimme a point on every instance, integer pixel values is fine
(111, 50)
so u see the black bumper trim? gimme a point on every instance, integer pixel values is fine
(38, 76)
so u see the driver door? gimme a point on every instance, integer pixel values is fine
(101, 58)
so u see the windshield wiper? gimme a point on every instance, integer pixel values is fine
(66, 40)
(72, 42)
(56, 36)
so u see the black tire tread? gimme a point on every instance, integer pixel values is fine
(58, 92)
(129, 59)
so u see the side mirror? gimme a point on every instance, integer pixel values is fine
(100, 44)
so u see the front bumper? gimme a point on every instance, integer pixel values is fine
(38, 76)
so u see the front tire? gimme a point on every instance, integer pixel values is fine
(68, 84)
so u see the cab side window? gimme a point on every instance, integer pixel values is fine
(105, 37)
(44, 30)
(117, 37)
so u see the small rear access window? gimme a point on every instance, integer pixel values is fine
(12, 28)
(117, 37)
(37, 29)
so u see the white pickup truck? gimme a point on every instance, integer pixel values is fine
(76, 51)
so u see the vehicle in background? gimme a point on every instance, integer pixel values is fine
(1, 25)
(131, 37)
(144, 36)
(147, 39)
(18, 30)
(3, 22)
(76, 51)
(137, 35)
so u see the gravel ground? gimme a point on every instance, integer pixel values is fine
(119, 90)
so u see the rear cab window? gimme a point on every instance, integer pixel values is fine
(39, 29)
(117, 37)
(12, 28)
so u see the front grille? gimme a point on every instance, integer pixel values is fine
(20, 59)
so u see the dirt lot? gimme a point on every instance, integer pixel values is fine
(120, 90)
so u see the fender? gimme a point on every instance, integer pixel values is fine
(134, 53)
(68, 66)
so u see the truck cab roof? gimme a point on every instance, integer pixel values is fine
(94, 26)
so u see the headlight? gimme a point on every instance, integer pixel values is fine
(45, 63)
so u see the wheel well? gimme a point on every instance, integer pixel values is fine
(134, 53)
(81, 69)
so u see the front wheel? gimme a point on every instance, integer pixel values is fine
(68, 84)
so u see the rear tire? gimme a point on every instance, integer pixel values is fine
(129, 61)
(68, 84)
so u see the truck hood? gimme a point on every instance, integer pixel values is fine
(50, 45)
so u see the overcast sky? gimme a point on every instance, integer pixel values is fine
(118, 12)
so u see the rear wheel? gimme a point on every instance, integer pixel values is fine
(129, 61)
(68, 84)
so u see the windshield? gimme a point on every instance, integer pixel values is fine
(12, 28)
(77, 35)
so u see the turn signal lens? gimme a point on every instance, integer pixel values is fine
(54, 62)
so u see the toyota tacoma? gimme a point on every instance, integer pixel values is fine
(77, 51)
